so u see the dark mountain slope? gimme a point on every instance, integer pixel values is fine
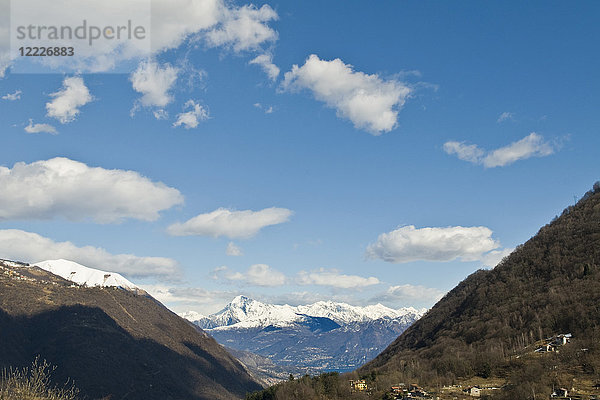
(491, 323)
(111, 342)
(547, 286)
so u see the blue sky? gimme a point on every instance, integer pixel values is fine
(369, 153)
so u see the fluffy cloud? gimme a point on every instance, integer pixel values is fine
(67, 101)
(256, 275)
(154, 82)
(265, 61)
(243, 28)
(12, 96)
(412, 293)
(408, 244)
(31, 247)
(192, 118)
(466, 152)
(233, 250)
(217, 22)
(530, 146)
(233, 224)
(370, 102)
(334, 278)
(40, 128)
(71, 189)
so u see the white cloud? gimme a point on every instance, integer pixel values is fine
(233, 250)
(191, 119)
(61, 187)
(40, 128)
(265, 61)
(183, 299)
(256, 275)
(161, 114)
(244, 28)
(466, 152)
(505, 116)
(169, 24)
(154, 82)
(532, 145)
(408, 244)
(412, 293)
(12, 96)
(67, 101)
(370, 102)
(31, 247)
(175, 20)
(233, 224)
(334, 278)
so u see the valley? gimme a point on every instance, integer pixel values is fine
(319, 337)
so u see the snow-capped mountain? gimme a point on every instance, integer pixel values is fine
(244, 312)
(315, 337)
(343, 313)
(86, 276)
(191, 315)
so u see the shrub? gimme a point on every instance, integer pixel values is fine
(33, 383)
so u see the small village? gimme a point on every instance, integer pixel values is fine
(402, 391)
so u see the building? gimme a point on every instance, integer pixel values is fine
(358, 385)
(562, 392)
(561, 340)
(399, 388)
(414, 391)
(545, 348)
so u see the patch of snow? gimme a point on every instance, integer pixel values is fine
(14, 263)
(85, 276)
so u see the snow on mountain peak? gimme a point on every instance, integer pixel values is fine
(241, 302)
(86, 276)
(243, 312)
(191, 315)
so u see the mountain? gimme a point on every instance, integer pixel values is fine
(85, 276)
(113, 343)
(316, 337)
(244, 312)
(519, 331)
